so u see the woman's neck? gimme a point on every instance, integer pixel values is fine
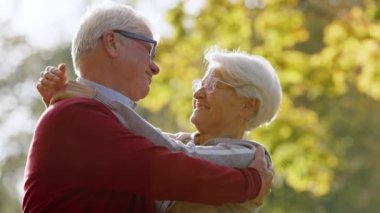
(203, 137)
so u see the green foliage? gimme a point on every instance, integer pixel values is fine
(299, 130)
(327, 63)
(353, 42)
(260, 32)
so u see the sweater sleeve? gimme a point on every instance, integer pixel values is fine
(82, 139)
(227, 152)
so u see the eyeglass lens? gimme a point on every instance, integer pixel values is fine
(207, 84)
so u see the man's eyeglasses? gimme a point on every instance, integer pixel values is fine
(209, 85)
(138, 37)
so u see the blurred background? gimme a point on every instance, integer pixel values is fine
(325, 142)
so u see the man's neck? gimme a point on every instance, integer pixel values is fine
(111, 94)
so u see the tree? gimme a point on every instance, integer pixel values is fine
(329, 69)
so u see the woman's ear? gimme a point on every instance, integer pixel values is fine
(111, 43)
(251, 106)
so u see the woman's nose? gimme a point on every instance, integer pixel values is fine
(199, 93)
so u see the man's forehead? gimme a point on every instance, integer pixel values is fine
(145, 31)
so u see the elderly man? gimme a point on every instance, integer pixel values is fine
(83, 160)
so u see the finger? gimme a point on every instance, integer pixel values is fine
(73, 84)
(79, 90)
(43, 92)
(47, 68)
(50, 68)
(78, 87)
(51, 71)
(56, 71)
(40, 80)
(260, 153)
(72, 88)
(48, 72)
(41, 89)
(82, 91)
(47, 83)
(55, 99)
(62, 69)
(51, 76)
(60, 95)
(259, 161)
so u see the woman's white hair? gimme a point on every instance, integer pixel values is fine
(253, 77)
(101, 18)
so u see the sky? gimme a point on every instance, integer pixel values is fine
(47, 23)
(43, 22)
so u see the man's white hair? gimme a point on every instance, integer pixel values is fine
(101, 18)
(253, 76)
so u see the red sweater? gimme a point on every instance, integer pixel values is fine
(82, 159)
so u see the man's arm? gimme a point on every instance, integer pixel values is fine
(235, 153)
(223, 153)
(91, 145)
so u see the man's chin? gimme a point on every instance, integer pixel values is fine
(140, 95)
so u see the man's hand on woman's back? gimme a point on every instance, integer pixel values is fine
(266, 173)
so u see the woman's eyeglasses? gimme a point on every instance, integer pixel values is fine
(209, 85)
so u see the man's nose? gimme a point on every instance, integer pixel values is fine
(154, 67)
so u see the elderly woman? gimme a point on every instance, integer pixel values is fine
(238, 93)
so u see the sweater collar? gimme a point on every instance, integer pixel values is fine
(108, 92)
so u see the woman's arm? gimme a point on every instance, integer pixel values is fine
(51, 81)
(226, 152)
(54, 86)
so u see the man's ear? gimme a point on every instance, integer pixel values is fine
(251, 106)
(111, 43)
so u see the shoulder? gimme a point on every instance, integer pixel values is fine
(241, 144)
(73, 109)
(76, 102)
(77, 105)
(232, 142)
